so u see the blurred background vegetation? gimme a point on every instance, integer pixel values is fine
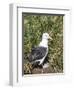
(34, 27)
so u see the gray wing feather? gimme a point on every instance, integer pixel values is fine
(37, 53)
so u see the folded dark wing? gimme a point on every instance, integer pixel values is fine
(37, 53)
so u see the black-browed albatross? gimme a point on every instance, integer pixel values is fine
(38, 54)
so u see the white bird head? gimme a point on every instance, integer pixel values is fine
(44, 41)
(46, 36)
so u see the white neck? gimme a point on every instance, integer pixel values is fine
(44, 43)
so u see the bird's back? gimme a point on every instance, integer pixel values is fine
(37, 53)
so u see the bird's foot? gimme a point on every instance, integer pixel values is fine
(42, 71)
(46, 65)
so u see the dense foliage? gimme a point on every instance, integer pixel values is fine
(34, 27)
